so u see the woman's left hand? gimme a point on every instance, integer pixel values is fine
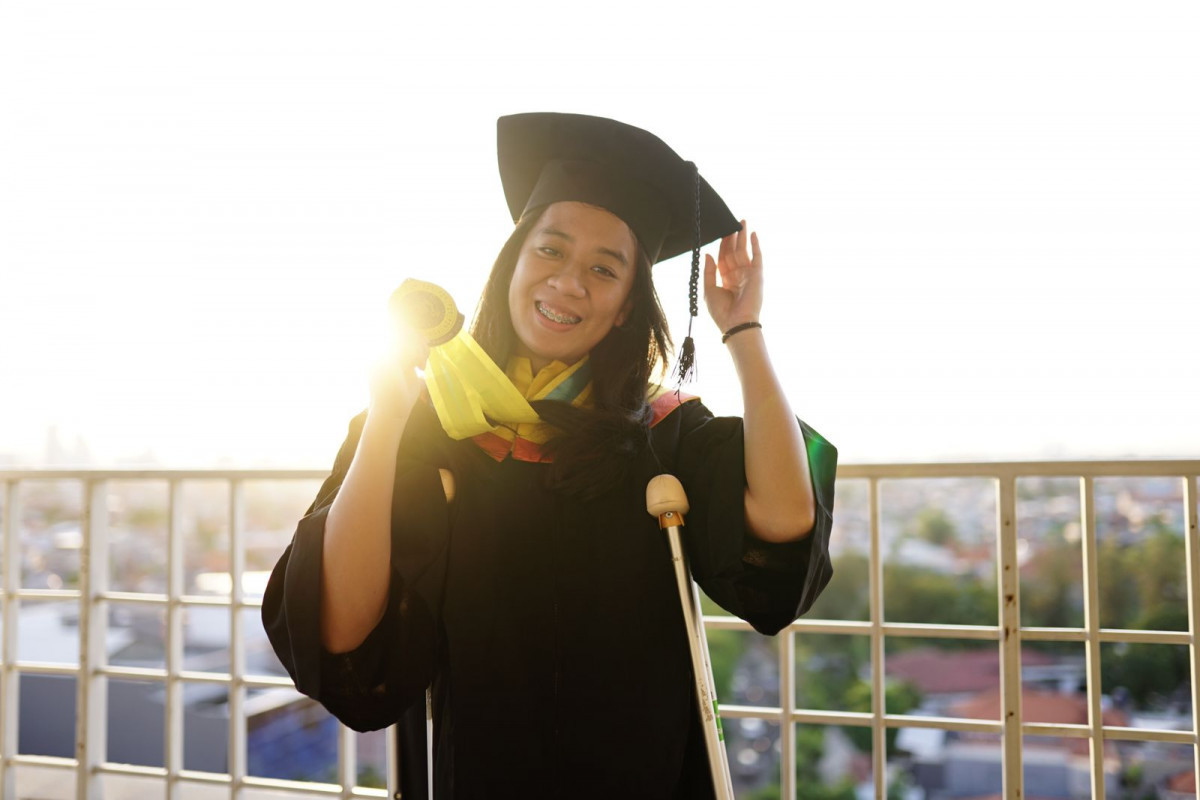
(739, 297)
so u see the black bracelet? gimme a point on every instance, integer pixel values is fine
(745, 326)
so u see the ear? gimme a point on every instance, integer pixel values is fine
(626, 310)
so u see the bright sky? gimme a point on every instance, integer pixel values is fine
(979, 220)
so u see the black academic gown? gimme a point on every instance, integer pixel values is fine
(549, 629)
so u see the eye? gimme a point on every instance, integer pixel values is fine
(548, 251)
(605, 271)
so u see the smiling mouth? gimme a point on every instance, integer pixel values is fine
(554, 316)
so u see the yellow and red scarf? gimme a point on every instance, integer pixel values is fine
(556, 381)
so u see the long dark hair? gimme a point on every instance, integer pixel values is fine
(592, 451)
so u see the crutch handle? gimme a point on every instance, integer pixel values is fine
(665, 493)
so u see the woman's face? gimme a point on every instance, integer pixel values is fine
(572, 283)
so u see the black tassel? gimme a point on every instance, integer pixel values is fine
(686, 368)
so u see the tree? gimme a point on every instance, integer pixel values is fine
(935, 527)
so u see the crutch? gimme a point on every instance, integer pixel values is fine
(666, 500)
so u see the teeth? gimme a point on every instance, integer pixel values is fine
(563, 319)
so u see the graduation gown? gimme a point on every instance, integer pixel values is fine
(548, 629)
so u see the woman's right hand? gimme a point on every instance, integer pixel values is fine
(395, 384)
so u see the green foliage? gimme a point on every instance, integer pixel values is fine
(935, 527)
(1143, 586)
(846, 595)
(724, 652)
(147, 517)
(810, 745)
(842, 790)
(1138, 581)
(1052, 587)
(371, 777)
(913, 594)
(900, 697)
(1147, 671)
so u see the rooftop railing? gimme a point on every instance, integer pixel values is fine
(90, 773)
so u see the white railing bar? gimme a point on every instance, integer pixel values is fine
(237, 654)
(151, 598)
(118, 768)
(1170, 468)
(1105, 635)
(347, 766)
(268, 682)
(1061, 729)
(196, 776)
(1191, 516)
(943, 723)
(56, 762)
(10, 605)
(194, 676)
(132, 673)
(390, 744)
(45, 594)
(1091, 621)
(875, 612)
(202, 600)
(948, 469)
(765, 713)
(1009, 588)
(45, 668)
(927, 631)
(163, 474)
(315, 789)
(136, 598)
(974, 632)
(861, 627)
(861, 719)
(1110, 732)
(1150, 468)
(91, 706)
(429, 742)
(1149, 735)
(914, 629)
(787, 729)
(173, 722)
(719, 623)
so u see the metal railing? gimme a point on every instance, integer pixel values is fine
(91, 768)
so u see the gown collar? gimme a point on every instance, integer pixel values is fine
(557, 381)
(569, 383)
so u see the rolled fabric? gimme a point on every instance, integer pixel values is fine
(469, 392)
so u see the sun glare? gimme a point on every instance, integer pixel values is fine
(978, 224)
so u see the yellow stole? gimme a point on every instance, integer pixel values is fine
(556, 381)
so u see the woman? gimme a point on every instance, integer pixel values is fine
(538, 603)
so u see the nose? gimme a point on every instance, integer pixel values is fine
(568, 279)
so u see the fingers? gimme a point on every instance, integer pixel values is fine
(710, 274)
(756, 261)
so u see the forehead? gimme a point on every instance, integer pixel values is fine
(588, 222)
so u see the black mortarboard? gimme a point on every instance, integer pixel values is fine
(547, 158)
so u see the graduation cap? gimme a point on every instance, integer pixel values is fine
(548, 158)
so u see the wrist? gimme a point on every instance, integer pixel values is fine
(384, 425)
(739, 328)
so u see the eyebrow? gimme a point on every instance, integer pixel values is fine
(616, 254)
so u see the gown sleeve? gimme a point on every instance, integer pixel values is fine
(371, 686)
(765, 583)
